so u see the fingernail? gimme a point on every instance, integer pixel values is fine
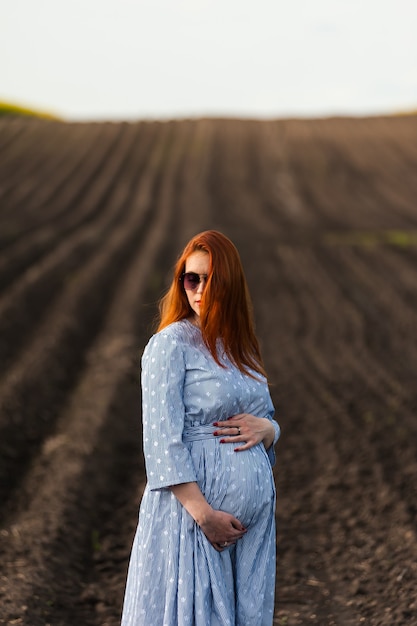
(222, 441)
(230, 418)
(237, 449)
(215, 432)
(215, 423)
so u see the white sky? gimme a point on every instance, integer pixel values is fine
(129, 59)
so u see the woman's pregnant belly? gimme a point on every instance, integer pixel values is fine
(240, 483)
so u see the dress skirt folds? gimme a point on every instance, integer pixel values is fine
(176, 577)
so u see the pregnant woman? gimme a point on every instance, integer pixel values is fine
(204, 550)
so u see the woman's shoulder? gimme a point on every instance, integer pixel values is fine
(177, 330)
(176, 334)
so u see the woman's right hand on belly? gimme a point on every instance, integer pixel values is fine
(221, 529)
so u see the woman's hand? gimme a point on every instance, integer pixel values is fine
(246, 428)
(222, 529)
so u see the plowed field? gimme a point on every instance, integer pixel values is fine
(324, 213)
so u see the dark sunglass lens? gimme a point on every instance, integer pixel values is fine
(191, 280)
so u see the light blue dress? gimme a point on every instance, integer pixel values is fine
(176, 577)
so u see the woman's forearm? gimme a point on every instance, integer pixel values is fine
(191, 498)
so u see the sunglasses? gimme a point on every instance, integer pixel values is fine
(191, 280)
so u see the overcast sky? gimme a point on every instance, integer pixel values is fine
(129, 59)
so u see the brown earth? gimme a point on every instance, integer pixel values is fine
(324, 214)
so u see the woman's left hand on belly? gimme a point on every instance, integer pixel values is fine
(247, 429)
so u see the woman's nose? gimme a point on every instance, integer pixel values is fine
(201, 285)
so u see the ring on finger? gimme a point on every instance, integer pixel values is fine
(223, 545)
(238, 430)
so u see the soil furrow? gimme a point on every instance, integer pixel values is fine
(349, 530)
(65, 160)
(18, 149)
(93, 438)
(323, 468)
(195, 214)
(361, 519)
(365, 373)
(24, 177)
(334, 178)
(42, 282)
(388, 320)
(40, 238)
(10, 129)
(333, 333)
(29, 399)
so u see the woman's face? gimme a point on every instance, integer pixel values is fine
(198, 263)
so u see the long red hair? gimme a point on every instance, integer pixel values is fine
(226, 308)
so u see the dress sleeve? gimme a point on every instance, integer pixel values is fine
(270, 415)
(167, 459)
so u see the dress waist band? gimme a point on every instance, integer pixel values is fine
(195, 433)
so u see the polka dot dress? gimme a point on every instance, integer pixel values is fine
(175, 577)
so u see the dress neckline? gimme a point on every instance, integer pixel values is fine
(190, 323)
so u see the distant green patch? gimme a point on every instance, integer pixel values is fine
(95, 540)
(369, 239)
(7, 108)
